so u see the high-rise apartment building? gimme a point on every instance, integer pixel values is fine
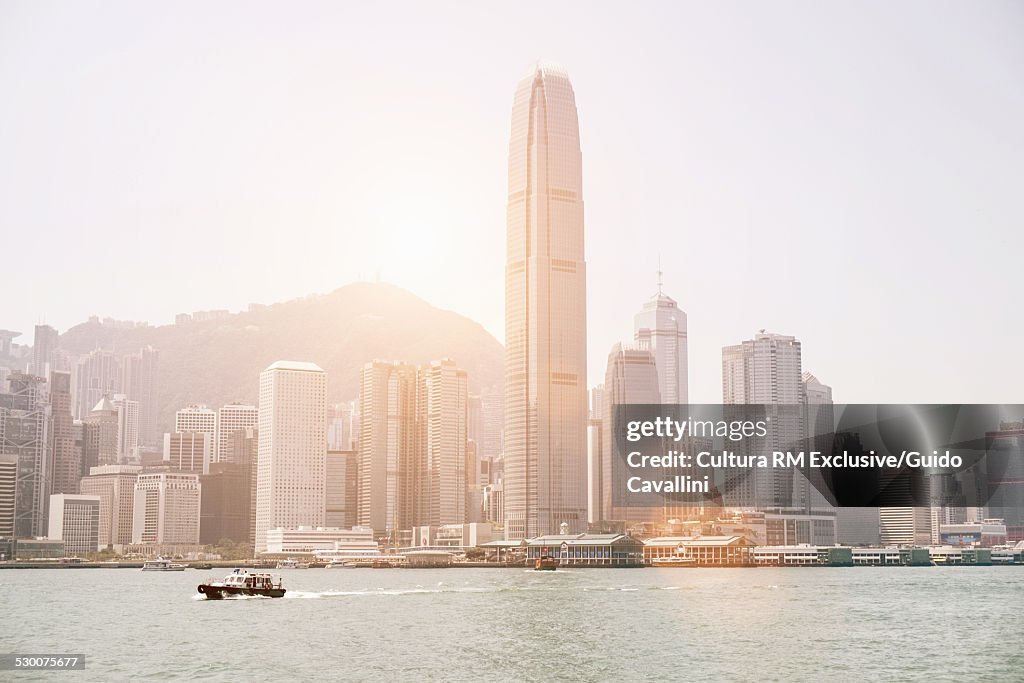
(291, 477)
(545, 312)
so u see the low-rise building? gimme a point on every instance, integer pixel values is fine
(588, 550)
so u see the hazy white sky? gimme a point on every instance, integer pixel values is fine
(851, 173)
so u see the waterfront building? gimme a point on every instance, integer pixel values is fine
(905, 526)
(704, 551)
(545, 312)
(587, 550)
(75, 519)
(450, 537)
(307, 540)
(114, 485)
(166, 509)
(291, 479)
(986, 533)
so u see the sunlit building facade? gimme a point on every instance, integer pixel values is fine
(545, 312)
(291, 477)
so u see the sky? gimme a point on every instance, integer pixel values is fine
(849, 173)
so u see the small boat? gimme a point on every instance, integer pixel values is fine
(242, 583)
(203, 565)
(292, 563)
(162, 565)
(545, 564)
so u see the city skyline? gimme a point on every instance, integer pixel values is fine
(757, 160)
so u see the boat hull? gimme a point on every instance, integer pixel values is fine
(213, 592)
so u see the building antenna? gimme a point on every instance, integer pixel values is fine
(659, 274)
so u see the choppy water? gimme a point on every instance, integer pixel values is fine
(821, 624)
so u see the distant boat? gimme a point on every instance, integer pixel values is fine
(545, 564)
(292, 563)
(242, 583)
(162, 565)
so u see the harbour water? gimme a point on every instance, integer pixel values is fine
(782, 624)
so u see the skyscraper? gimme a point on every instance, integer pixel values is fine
(291, 477)
(24, 425)
(100, 435)
(166, 510)
(115, 487)
(661, 327)
(139, 384)
(8, 493)
(631, 378)
(441, 487)
(44, 350)
(98, 373)
(127, 429)
(545, 312)
(766, 370)
(65, 459)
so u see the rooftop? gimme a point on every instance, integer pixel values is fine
(295, 365)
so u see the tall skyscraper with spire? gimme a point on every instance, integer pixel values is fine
(660, 327)
(545, 312)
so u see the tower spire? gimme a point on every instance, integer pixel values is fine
(659, 274)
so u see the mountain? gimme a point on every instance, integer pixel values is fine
(219, 361)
